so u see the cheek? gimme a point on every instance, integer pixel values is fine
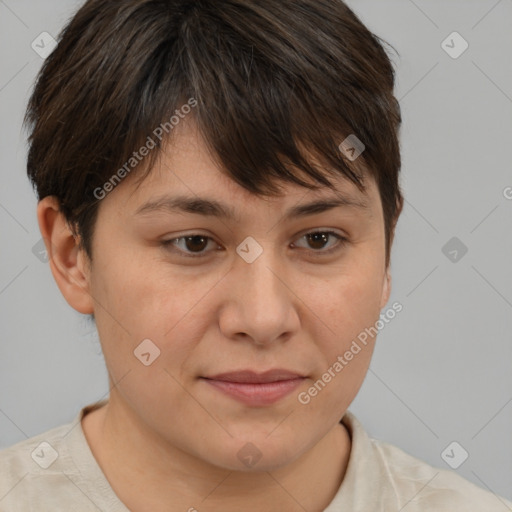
(147, 300)
(138, 295)
(346, 311)
(346, 303)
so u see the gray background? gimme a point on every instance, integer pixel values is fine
(442, 368)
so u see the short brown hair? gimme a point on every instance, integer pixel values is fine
(270, 79)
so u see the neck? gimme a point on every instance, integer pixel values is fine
(151, 475)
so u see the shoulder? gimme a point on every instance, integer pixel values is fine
(427, 488)
(31, 470)
(37, 453)
(382, 477)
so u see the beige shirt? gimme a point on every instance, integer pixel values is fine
(56, 471)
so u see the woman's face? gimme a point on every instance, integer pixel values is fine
(252, 290)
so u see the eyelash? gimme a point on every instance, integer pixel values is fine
(342, 241)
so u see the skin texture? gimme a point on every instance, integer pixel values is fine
(168, 440)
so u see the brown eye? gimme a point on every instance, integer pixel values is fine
(196, 243)
(192, 245)
(317, 241)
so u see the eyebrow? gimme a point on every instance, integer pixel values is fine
(214, 208)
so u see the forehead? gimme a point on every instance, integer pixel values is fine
(187, 177)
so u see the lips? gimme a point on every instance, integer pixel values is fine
(256, 389)
(251, 377)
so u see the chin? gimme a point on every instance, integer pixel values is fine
(252, 456)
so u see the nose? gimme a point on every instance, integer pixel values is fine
(259, 304)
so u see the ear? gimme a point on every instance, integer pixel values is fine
(386, 285)
(69, 264)
(386, 288)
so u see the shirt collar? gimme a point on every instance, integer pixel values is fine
(366, 486)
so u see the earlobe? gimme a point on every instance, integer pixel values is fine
(67, 264)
